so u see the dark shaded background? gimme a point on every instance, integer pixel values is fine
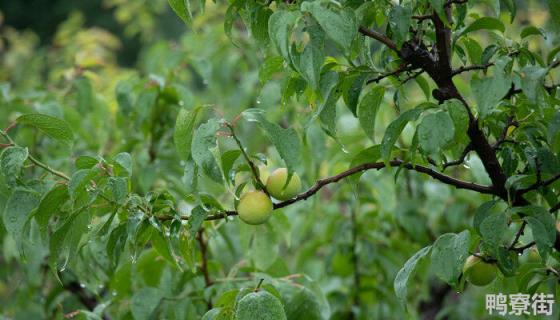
(44, 16)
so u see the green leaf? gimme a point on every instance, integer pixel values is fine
(449, 253)
(182, 9)
(86, 162)
(400, 19)
(435, 132)
(286, 141)
(144, 302)
(16, 213)
(492, 230)
(270, 66)
(368, 155)
(330, 95)
(303, 306)
(424, 85)
(489, 91)
(11, 162)
(474, 49)
(163, 247)
(51, 126)
(483, 212)
(403, 277)
(184, 129)
(351, 88)
(367, 110)
(484, 23)
(79, 181)
(439, 7)
(259, 24)
(203, 141)
(119, 189)
(460, 118)
(228, 160)
(532, 78)
(51, 204)
(115, 243)
(310, 61)
(543, 228)
(531, 31)
(265, 247)
(280, 27)
(65, 241)
(394, 130)
(190, 176)
(198, 214)
(340, 24)
(554, 7)
(123, 162)
(508, 261)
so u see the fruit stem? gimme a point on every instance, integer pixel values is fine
(258, 287)
(254, 169)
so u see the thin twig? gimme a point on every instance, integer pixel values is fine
(470, 68)
(422, 17)
(461, 159)
(538, 184)
(47, 168)
(254, 169)
(204, 264)
(518, 235)
(34, 160)
(396, 72)
(523, 248)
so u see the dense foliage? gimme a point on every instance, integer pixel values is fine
(282, 160)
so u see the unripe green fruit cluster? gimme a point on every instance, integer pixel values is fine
(255, 207)
(479, 272)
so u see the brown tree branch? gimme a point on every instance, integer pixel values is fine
(204, 263)
(459, 184)
(379, 37)
(538, 184)
(473, 67)
(396, 72)
(461, 159)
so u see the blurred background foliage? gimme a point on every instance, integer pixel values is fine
(118, 71)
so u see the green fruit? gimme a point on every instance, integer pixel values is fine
(534, 256)
(478, 272)
(276, 182)
(260, 306)
(254, 207)
(263, 173)
(212, 314)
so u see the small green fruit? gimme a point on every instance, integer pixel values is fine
(254, 207)
(276, 182)
(260, 306)
(534, 256)
(263, 173)
(478, 272)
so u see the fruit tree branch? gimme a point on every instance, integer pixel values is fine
(538, 184)
(379, 37)
(470, 68)
(459, 184)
